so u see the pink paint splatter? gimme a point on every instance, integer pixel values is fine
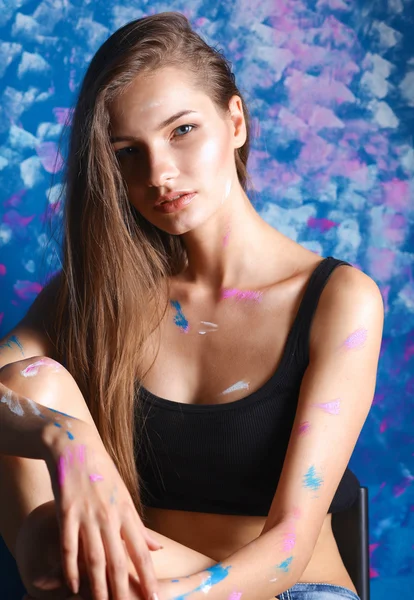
(356, 340)
(27, 290)
(235, 596)
(63, 114)
(321, 225)
(80, 450)
(241, 294)
(330, 407)
(33, 369)
(95, 477)
(227, 237)
(303, 427)
(289, 541)
(50, 157)
(2, 269)
(61, 470)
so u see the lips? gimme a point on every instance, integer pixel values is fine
(172, 196)
(172, 199)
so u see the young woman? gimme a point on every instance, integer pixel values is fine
(192, 377)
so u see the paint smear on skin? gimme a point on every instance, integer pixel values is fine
(284, 566)
(209, 327)
(62, 413)
(34, 408)
(95, 477)
(14, 405)
(311, 479)
(12, 340)
(332, 407)
(356, 340)
(61, 469)
(241, 294)
(69, 457)
(80, 453)
(179, 318)
(33, 369)
(216, 574)
(240, 385)
(112, 499)
(303, 427)
(70, 436)
(289, 539)
(235, 596)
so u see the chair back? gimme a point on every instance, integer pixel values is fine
(351, 530)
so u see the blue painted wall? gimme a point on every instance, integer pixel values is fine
(330, 85)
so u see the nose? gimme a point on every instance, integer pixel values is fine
(161, 168)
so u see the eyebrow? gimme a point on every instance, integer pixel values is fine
(169, 121)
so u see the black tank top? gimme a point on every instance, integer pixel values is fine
(227, 458)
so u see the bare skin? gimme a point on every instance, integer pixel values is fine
(213, 368)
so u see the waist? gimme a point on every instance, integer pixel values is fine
(218, 536)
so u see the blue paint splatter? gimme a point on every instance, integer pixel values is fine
(179, 319)
(216, 574)
(285, 564)
(62, 413)
(175, 580)
(57, 424)
(312, 480)
(70, 436)
(12, 339)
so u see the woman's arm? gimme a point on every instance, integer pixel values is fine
(335, 398)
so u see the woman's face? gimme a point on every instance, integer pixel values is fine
(194, 152)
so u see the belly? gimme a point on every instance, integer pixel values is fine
(218, 536)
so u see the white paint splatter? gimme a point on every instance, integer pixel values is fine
(14, 405)
(33, 405)
(32, 63)
(210, 327)
(240, 385)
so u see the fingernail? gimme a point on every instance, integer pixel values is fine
(74, 586)
(154, 596)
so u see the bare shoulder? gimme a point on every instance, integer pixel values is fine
(351, 298)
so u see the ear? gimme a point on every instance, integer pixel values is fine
(237, 118)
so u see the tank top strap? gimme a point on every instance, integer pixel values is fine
(314, 288)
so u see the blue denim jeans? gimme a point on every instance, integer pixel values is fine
(318, 591)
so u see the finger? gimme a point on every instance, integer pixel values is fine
(138, 551)
(94, 554)
(116, 563)
(69, 543)
(151, 542)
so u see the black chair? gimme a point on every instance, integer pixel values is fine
(351, 530)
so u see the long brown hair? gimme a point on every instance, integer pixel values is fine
(113, 287)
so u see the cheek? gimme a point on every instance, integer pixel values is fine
(211, 156)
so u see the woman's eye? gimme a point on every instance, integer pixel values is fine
(181, 127)
(125, 151)
(130, 150)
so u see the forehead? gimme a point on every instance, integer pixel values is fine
(151, 98)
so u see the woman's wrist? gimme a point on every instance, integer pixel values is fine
(60, 435)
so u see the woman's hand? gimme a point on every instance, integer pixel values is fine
(95, 510)
(39, 561)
